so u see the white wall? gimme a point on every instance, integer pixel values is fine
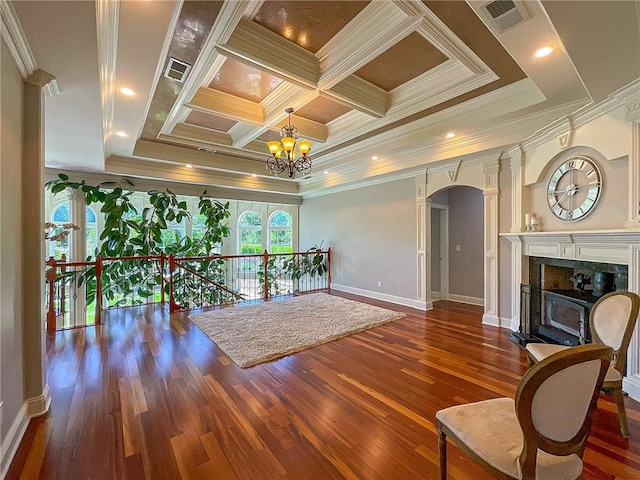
(11, 345)
(372, 235)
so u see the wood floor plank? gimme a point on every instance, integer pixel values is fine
(148, 395)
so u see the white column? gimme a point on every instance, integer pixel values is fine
(517, 189)
(517, 215)
(423, 219)
(631, 382)
(78, 253)
(491, 191)
(633, 220)
(33, 314)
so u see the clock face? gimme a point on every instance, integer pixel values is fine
(574, 189)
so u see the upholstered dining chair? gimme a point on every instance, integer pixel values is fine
(542, 434)
(611, 320)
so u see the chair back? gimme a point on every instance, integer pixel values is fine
(612, 320)
(555, 401)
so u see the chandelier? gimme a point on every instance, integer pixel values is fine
(284, 152)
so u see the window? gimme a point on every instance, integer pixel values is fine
(91, 232)
(173, 233)
(280, 233)
(61, 214)
(250, 233)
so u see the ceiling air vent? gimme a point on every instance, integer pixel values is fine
(176, 70)
(504, 14)
(207, 149)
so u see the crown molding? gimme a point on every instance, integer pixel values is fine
(491, 105)
(137, 167)
(201, 135)
(628, 96)
(107, 19)
(16, 40)
(204, 141)
(18, 46)
(408, 160)
(194, 189)
(181, 155)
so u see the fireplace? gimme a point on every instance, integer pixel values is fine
(565, 317)
(562, 296)
(614, 251)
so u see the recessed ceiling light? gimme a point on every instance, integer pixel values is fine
(121, 134)
(127, 91)
(326, 172)
(543, 52)
(188, 165)
(374, 157)
(450, 135)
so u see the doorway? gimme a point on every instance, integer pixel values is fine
(439, 252)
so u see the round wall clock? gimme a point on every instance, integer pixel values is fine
(574, 189)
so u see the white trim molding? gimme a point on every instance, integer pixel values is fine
(454, 297)
(32, 407)
(491, 191)
(407, 302)
(18, 46)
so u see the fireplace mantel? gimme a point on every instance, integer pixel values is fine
(606, 246)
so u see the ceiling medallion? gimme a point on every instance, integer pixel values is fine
(284, 152)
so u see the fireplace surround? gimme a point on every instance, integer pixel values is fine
(619, 248)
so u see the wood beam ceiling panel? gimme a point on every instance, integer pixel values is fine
(260, 47)
(228, 106)
(360, 95)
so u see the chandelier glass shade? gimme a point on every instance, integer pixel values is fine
(284, 153)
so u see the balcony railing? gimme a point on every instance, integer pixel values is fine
(78, 292)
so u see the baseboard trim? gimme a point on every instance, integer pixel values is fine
(32, 407)
(12, 441)
(407, 302)
(436, 296)
(631, 385)
(39, 405)
(491, 319)
(453, 297)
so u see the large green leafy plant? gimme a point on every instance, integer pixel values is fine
(130, 233)
(282, 268)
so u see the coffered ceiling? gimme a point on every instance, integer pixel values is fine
(375, 85)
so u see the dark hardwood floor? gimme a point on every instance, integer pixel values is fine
(148, 395)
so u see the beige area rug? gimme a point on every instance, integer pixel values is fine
(253, 334)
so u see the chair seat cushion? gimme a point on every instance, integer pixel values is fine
(491, 430)
(540, 351)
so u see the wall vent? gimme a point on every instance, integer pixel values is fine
(504, 14)
(177, 70)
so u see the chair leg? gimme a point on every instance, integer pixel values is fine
(442, 450)
(622, 412)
